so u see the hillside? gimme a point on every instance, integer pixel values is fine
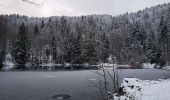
(132, 38)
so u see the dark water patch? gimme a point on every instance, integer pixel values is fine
(61, 96)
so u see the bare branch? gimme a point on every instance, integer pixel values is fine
(34, 3)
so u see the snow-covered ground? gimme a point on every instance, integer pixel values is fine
(167, 68)
(148, 65)
(135, 89)
(116, 65)
(8, 62)
(106, 64)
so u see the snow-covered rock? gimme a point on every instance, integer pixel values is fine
(135, 89)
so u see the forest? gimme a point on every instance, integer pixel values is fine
(133, 38)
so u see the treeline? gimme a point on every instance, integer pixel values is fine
(132, 38)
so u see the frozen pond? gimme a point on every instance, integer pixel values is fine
(79, 85)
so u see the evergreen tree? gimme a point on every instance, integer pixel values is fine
(69, 47)
(150, 50)
(136, 41)
(64, 28)
(90, 55)
(3, 30)
(21, 48)
(168, 37)
(54, 48)
(105, 49)
(47, 52)
(67, 40)
(163, 32)
(77, 49)
(42, 24)
(36, 31)
(153, 53)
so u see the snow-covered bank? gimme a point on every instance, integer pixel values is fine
(148, 65)
(8, 62)
(166, 68)
(135, 89)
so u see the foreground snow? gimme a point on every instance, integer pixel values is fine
(135, 89)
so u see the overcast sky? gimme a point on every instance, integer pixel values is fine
(74, 7)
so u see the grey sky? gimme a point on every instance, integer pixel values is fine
(75, 7)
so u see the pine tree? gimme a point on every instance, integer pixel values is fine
(151, 49)
(168, 37)
(21, 48)
(163, 39)
(64, 28)
(90, 55)
(136, 41)
(153, 53)
(105, 50)
(3, 30)
(42, 24)
(54, 48)
(36, 31)
(48, 53)
(69, 47)
(77, 49)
